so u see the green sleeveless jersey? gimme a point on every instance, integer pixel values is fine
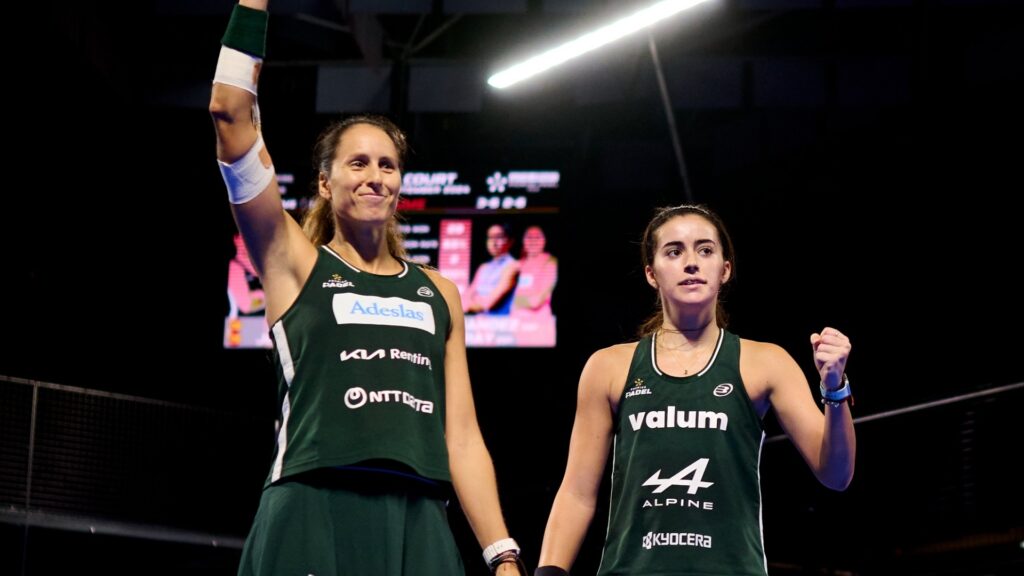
(685, 494)
(360, 363)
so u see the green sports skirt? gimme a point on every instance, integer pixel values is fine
(338, 523)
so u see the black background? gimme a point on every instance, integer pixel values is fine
(891, 221)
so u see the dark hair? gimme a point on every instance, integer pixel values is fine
(318, 223)
(505, 228)
(648, 245)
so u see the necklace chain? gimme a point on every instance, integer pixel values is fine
(678, 350)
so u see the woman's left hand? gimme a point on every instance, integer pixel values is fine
(831, 349)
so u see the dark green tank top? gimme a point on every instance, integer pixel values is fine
(685, 495)
(360, 362)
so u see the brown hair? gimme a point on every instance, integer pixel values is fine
(648, 245)
(318, 223)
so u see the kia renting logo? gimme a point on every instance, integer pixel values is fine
(380, 353)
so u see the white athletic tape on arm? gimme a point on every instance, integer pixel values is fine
(237, 69)
(247, 176)
(503, 545)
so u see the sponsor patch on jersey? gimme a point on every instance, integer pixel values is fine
(638, 389)
(358, 309)
(672, 417)
(425, 292)
(654, 539)
(357, 397)
(723, 390)
(380, 353)
(336, 281)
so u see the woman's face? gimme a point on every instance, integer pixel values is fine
(365, 179)
(533, 241)
(688, 265)
(497, 241)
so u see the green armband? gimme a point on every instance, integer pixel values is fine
(247, 31)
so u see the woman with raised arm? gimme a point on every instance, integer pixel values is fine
(682, 409)
(377, 420)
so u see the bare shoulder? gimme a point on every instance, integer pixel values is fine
(762, 353)
(446, 286)
(760, 362)
(763, 366)
(615, 356)
(606, 372)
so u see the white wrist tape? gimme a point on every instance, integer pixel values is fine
(503, 545)
(247, 176)
(237, 69)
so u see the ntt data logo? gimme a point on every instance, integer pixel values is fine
(652, 539)
(357, 397)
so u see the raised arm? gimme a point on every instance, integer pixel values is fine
(592, 431)
(468, 459)
(826, 441)
(279, 250)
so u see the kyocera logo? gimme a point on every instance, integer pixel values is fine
(356, 309)
(653, 539)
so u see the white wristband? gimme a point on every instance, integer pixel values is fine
(247, 176)
(503, 545)
(237, 69)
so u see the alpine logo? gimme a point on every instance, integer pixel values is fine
(680, 478)
(671, 417)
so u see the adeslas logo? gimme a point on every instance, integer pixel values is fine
(375, 309)
(359, 309)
